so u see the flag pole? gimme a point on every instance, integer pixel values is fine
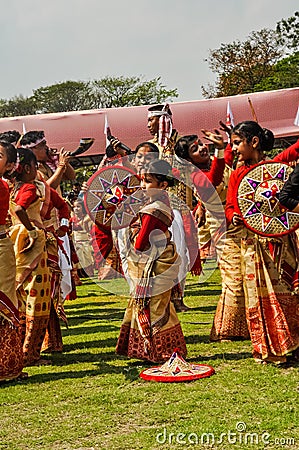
(254, 116)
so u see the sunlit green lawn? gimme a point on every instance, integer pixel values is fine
(92, 398)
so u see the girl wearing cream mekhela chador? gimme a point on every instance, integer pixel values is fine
(210, 181)
(151, 329)
(11, 351)
(269, 265)
(230, 318)
(33, 276)
(54, 243)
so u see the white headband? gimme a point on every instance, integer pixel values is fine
(34, 144)
(158, 113)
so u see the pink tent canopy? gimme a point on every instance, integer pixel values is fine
(275, 110)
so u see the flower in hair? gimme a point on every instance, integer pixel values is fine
(18, 168)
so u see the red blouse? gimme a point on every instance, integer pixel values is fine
(204, 181)
(56, 201)
(228, 155)
(4, 204)
(149, 223)
(26, 195)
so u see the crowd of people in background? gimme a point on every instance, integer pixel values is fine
(49, 244)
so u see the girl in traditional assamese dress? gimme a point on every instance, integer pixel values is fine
(230, 318)
(268, 264)
(194, 184)
(103, 238)
(54, 242)
(33, 275)
(11, 350)
(151, 329)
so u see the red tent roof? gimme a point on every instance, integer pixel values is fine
(275, 110)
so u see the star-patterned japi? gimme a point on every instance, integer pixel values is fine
(114, 194)
(262, 198)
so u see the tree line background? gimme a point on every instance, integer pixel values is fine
(266, 60)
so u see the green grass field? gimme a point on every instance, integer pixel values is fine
(90, 398)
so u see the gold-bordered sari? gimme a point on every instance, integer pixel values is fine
(151, 329)
(11, 350)
(32, 280)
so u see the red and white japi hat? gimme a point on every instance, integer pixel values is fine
(176, 369)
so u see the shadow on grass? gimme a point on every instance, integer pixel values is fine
(99, 343)
(87, 281)
(72, 357)
(74, 320)
(84, 331)
(98, 284)
(294, 363)
(95, 313)
(205, 284)
(223, 357)
(203, 309)
(102, 369)
(128, 368)
(202, 293)
(89, 294)
(98, 359)
(77, 306)
(196, 338)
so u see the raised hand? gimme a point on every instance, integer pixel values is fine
(199, 214)
(223, 127)
(215, 137)
(237, 219)
(64, 157)
(116, 144)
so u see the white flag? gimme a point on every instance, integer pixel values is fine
(107, 131)
(229, 116)
(296, 121)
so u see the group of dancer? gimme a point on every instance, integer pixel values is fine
(259, 299)
(190, 212)
(34, 222)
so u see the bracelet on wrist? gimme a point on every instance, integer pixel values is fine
(33, 233)
(219, 153)
(64, 222)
